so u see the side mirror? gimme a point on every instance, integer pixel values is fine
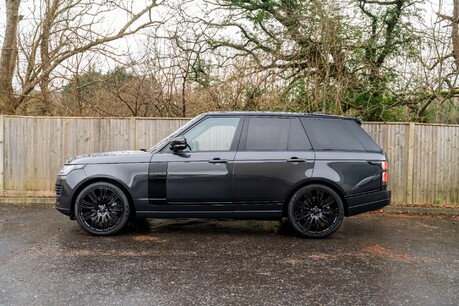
(178, 144)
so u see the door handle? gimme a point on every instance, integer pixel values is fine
(218, 161)
(295, 159)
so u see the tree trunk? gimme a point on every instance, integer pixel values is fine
(8, 56)
(455, 33)
(48, 22)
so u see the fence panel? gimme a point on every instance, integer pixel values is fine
(393, 138)
(436, 164)
(32, 152)
(424, 159)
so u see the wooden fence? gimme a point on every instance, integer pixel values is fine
(424, 159)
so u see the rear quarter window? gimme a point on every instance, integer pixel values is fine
(331, 134)
(368, 143)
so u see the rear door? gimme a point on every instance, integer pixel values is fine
(274, 155)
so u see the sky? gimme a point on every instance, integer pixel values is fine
(115, 18)
(28, 6)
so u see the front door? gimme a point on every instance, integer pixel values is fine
(199, 178)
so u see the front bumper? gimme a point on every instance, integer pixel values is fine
(367, 202)
(65, 188)
(63, 198)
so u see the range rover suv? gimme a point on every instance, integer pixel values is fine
(313, 169)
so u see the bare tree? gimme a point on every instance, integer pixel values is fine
(455, 32)
(64, 29)
(454, 21)
(434, 77)
(9, 53)
(180, 51)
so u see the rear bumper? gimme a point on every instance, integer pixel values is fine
(367, 202)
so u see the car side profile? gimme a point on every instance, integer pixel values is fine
(313, 169)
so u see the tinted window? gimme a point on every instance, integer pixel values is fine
(331, 134)
(267, 134)
(276, 134)
(363, 137)
(212, 134)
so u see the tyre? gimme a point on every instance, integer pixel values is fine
(315, 211)
(102, 209)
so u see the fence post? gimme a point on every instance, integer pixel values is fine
(410, 166)
(2, 156)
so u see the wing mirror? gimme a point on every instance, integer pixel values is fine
(178, 144)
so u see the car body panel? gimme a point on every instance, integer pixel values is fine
(237, 183)
(353, 172)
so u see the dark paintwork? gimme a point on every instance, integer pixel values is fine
(232, 184)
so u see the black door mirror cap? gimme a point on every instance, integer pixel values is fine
(178, 144)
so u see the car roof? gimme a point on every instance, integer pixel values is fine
(259, 113)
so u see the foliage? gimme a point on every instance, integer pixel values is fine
(377, 60)
(330, 62)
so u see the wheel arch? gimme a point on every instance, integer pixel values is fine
(323, 182)
(92, 180)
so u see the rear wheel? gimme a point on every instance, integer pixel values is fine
(102, 209)
(316, 211)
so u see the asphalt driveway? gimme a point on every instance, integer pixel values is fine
(375, 258)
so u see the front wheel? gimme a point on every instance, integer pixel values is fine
(315, 211)
(102, 209)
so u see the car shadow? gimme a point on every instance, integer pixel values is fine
(210, 226)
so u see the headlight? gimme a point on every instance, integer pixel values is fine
(69, 168)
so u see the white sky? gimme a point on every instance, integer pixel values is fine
(116, 18)
(27, 6)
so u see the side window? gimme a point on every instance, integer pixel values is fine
(267, 134)
(212, 134)
(363, 137)
(276, 134)
(331, 134)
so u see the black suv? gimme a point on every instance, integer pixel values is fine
(312, 168)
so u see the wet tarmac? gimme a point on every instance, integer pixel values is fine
(374, 259)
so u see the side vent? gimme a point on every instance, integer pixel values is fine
(157, 179)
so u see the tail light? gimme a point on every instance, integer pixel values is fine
(385, 175)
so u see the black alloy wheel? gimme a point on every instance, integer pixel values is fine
(315, 211)
(102, 209)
